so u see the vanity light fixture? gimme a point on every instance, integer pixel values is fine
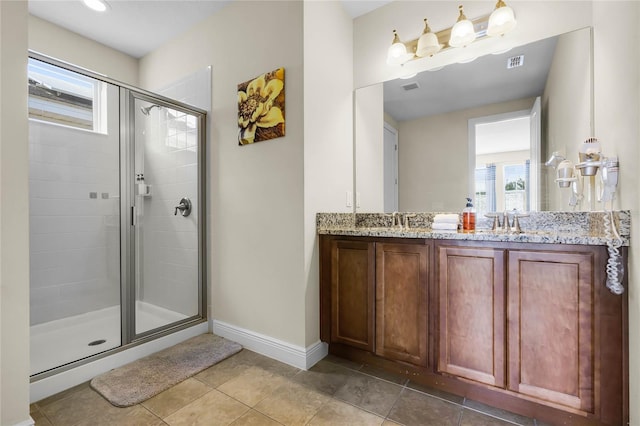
(428, 44)
(462, 33)
(97, 5)
(501, 21)
(397, 53)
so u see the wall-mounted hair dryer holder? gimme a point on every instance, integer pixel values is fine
(565, 182)
(589, 168)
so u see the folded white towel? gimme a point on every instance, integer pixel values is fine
(446, 218)
(444, 226)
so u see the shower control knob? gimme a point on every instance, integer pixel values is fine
(184, 207)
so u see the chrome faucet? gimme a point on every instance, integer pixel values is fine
(396, 220)
(406, 219)
(506, 227)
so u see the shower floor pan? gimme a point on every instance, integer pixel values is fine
(62, 341)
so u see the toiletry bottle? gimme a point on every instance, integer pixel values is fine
(469, 218)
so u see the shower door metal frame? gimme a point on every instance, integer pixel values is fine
(128, 97)
(129, 339)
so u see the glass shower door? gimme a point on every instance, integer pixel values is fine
(74, 194)
(166, 214)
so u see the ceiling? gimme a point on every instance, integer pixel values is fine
(137, 27)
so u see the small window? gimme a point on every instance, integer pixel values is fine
(60, 96)
(515, 187)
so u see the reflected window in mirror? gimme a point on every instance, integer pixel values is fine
(504, 146)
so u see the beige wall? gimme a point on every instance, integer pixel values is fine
(328, 133)
(433, 157)
(59, 43)
(566, 106)
(14, 217)
(617, 107)
(257, 191)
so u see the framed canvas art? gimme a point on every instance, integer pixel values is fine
(261, 108)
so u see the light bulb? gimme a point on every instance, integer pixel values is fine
(501, 21)
(397, 53)
(97, 5)
(462, 33)
(428, 44)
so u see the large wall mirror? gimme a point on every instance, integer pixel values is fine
(482, 129)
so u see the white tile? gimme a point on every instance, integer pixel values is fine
(187, 173)
(187, 257)
(186, 157)
(65, 241)
(69, 258)
(42, 224)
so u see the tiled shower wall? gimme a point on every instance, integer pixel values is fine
(170, 242)
(74, 218)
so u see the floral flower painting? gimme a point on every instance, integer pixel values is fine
(261, 108)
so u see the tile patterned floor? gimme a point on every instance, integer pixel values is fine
(250, 389)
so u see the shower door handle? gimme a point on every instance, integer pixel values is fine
(184, 207)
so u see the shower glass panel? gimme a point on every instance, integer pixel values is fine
(116, 179)
(166, 213)
(74, 169)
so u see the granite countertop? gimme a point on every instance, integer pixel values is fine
(585, 228)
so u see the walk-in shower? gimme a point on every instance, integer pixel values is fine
(113, 261)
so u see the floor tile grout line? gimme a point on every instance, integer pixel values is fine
(380, 378)
(396, 402)
(437, 397)
(460, 414)
(188, 403)
(42, 413)
(492, 415)
(151, 412)
(264, 414)
(359, 408)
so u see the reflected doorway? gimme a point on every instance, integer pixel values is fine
(504, 153)
(390, 168)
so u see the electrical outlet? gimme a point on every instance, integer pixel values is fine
(357, 200)
(349, 199)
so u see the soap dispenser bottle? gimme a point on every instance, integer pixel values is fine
(469, 218)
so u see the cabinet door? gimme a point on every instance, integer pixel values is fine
(471, 284)
(352, 293)
(401, 302)
(551, 323)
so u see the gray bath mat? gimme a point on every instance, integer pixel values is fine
(146, 377)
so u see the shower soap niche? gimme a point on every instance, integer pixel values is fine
(144, 190)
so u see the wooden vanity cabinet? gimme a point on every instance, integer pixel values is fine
(552, 318)
(375, 295)
(471, 338)
(529, 328)
(535, 321)
(352, 293)
(402, 302)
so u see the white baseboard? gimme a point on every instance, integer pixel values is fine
(28, 422)
(297, 356)
(48, 386)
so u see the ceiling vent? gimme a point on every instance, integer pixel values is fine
(515, 61)
(411, 86)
